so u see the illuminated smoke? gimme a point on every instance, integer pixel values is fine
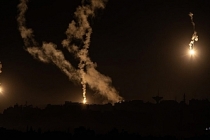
(48, 52)
(194, 36)
(80, 30)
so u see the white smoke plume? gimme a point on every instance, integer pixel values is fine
(47, 53)
(80, 30)
(194, 36)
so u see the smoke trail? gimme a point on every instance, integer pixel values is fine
(47, 53)
(79, 30)
(194, 36)
(82, 31)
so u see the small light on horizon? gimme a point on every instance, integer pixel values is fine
(84, 101)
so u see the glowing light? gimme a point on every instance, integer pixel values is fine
(84, 101)
(194, 37)
(1, 90)
(192, 52)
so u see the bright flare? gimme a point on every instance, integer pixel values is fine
(192, 52)
(84, 101)
(194, 37)
(1, 90)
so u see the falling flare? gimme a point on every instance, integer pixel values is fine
(192, 52)
(194, 37)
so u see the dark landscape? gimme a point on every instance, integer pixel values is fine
(165, 119)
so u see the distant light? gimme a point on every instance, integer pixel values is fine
(84, 101)
(208, 128)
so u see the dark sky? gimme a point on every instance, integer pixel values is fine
(142, 45)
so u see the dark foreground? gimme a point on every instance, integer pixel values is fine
(82, 132)
(133, 119)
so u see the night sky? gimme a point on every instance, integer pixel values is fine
(142, 45)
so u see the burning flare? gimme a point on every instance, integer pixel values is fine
(192, 51)
(1, 89)
(194, 36)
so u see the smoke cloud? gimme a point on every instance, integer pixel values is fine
(80, 30)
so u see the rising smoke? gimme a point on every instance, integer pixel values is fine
(194, 36)
(78, 29)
